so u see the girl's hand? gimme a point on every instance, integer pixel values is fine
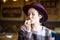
(27, 25)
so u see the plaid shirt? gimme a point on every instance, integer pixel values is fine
(43, 34)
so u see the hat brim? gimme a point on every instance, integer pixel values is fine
(44, 12)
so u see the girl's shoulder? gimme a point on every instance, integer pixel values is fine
(47, 30)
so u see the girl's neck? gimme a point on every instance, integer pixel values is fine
(36, 25)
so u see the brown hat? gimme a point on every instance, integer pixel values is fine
(37, 6)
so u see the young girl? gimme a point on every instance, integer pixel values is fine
(33, 28)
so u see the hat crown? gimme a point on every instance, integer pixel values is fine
(38, 4)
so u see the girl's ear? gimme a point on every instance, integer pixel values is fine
(40, 16)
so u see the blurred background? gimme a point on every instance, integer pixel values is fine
(12, 16)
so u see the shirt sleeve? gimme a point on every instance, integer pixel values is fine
(23, 34)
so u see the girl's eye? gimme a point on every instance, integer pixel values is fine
(30, 14)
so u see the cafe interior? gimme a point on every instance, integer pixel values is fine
(12, 17)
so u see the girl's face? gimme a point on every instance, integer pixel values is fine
(33, 15)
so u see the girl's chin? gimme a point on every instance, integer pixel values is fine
(32, 22)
